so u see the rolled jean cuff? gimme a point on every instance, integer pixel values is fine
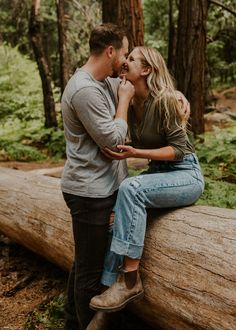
(128, 249)
(108, 278)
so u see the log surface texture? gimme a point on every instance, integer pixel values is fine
(189, 261)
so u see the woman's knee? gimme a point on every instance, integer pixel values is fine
(129, 186)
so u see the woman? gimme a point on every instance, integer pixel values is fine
(173, 179)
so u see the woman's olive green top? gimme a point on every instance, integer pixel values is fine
(154, 133)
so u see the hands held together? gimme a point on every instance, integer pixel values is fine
(125, 152)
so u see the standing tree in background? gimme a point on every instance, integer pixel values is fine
(44, 71)
(128, 14)
(172, 39)
(190, 61)
(62, 43)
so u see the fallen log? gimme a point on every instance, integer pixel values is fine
(189, 262)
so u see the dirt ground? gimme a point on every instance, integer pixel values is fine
(28, 282)
(226, 99)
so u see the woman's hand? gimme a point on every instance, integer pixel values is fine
(125, 152)
(126, 89)
(185, 107)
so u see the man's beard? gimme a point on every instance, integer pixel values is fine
(115, 74)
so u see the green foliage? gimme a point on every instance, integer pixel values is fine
(221, 36)
(22, 135)
(14, 21)
(19, 152)
(217, 155)
(50, 316)
(222, 44)
(219, 194)
(84, 15)
(51, 139)
(156, 19)
(81, 17)
(20, 85)
(32, 142)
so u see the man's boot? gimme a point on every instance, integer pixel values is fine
(99, 321)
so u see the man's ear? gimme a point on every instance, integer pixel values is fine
(146, 71)
(110, 51)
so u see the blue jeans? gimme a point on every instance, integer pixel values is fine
(165, 184)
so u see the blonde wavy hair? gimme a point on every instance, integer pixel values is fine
(161, 86)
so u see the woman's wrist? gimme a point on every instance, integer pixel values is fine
(138, 153)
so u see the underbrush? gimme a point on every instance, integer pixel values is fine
(31, 142)
(217, 154)
(49, 315)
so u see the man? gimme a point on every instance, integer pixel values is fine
(90, 180)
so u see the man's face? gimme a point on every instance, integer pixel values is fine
(120, 58)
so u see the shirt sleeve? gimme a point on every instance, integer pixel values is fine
(92, 109)
(176, 137)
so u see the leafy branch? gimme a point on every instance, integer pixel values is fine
(217, 3)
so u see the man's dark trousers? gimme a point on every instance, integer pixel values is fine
(90, 219)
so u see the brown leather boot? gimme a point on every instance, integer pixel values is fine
(99, 321)
(118, 295)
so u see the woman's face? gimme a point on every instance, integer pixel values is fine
(133, 67)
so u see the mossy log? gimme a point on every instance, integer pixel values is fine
(189, 261)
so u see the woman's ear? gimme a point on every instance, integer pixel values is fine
(146, 71)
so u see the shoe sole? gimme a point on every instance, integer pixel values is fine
(137, 297)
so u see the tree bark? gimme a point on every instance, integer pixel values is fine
(172, 39)
(62, 38)
(189, 262)
(43, 66)
(129, 15)
(191, 58)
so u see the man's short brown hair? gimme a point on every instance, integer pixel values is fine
(105, 35)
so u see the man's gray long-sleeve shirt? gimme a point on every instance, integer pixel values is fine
(88, 110)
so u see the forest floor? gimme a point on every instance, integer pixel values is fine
(28, 282)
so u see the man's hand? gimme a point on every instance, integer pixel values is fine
(185, 107)
(125, 152)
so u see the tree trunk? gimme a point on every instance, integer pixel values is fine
(128, 14)
(191, 58)
(45, 74)
(189, 262)
(63, 51)
(172, 39)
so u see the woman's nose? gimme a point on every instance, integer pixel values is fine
(125, 65)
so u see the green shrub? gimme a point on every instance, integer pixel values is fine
(20, 85)
(217, 154)
(19, 152)
(218, 193)
(33, 143)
